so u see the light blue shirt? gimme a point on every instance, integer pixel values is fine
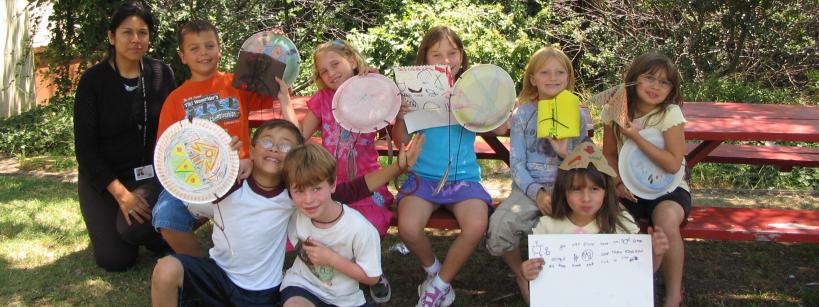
(444, 144)
(533, 162)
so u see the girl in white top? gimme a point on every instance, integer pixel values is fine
(654, 99)
(584, 202)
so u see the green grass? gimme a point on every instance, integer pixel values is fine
(46, 260)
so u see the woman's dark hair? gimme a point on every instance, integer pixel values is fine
(132, 8)
(128, 9)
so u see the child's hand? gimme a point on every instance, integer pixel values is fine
(245, 168)
(364, 72)
(531, 268)
(561, 147)
(408, 154)
(403, 111)
(544, 202)
(284, 91)
(320, 254)
(235, 143)
(659, 241)
(632, 129)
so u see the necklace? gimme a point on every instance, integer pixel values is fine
(334, 220)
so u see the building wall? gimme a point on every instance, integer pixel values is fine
(17, 89)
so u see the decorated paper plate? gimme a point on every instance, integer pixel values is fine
(483, 98)
(194, 162)
(366, 103)
(278, 47)
(640, 175)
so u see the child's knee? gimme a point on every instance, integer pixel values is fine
(168, 271)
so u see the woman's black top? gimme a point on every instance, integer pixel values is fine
(109, 118)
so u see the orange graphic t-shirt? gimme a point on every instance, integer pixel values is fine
(216, 100)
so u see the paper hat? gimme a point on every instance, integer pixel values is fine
(587, 153)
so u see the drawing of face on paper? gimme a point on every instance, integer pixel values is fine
(426, 90)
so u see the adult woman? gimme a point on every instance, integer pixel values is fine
(116, 109)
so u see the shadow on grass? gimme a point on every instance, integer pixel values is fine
(75, 280)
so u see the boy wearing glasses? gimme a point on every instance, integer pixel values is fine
(246, 261)
(208, 94)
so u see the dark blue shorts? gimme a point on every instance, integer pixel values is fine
(643, 208)
(295, 291)
(206, 284)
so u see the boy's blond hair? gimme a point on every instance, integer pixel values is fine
(345, 50)
(529, 92)
(307, 166)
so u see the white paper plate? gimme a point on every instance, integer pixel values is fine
(640, 175)
(194, 162)
(483, 98)
(366, 103)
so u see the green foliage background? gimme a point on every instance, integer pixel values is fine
(754, 51)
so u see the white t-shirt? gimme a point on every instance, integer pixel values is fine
(549, 225)
(255, 226)
(354, 238)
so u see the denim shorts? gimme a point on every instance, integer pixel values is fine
(171, 213)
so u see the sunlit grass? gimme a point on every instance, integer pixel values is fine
(45, 260)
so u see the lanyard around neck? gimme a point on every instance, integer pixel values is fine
(144, 90)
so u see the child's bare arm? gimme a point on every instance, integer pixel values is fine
(288, 112)
(407, 155)
(309, 125)
(321, 255)
(659, 245)
(531, 268)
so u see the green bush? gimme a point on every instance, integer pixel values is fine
(39, 131)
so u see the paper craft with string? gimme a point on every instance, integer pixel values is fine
(559, 118)
(256, 72)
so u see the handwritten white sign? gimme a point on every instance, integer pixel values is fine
(592, 270)
(426, 90)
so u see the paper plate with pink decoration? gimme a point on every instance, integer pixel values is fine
(366, 103)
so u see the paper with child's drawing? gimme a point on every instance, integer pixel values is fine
(426, 90)
(592, 270)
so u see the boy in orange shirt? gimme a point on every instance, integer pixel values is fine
(208, 94)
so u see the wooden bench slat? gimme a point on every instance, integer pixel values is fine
(743, 224)
(784, 157)
(753, 224)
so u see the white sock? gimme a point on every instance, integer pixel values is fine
(434, 268)
(439, 283)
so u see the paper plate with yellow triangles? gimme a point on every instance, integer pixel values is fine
(194, 162)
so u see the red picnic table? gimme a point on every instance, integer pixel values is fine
(715, 123)
(709, 123)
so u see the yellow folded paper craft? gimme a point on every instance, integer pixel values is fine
(559, 118)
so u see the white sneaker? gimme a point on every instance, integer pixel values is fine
(381, 291)
(430, 296)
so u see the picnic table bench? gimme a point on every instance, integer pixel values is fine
(709, 126)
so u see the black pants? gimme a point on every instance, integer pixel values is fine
(115, 243)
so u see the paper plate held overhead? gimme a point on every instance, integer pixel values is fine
(366, 103)
(483, 98)
(278, 47)
(194, 162)
(640, 175)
